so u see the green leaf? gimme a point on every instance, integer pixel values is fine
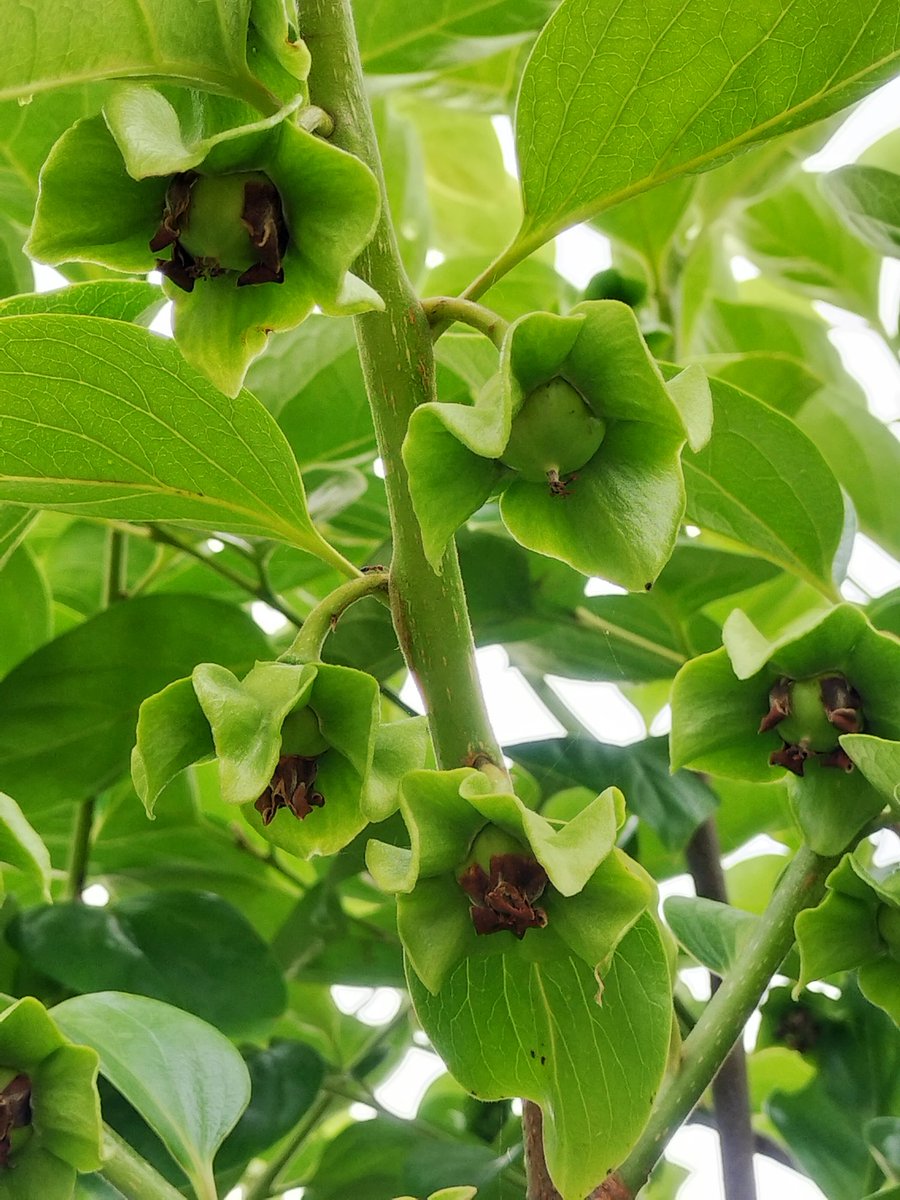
(473, 201)
(672, 805)
(715, 934)
(15, 267)
(24, 608)
(761, 483)
(101, 671)
(21, 847)
(599, 68)
(172, 733)
(116, 299)
(883, 1136)
(731, 339)
(395, 40)
(285, 1079)
(81, 445)
(593, 1068)
(868, 201)
(860, 450)
(776, 1069)
(14, 523)
(167, 945)
(796, 237)
(185, 1078)
(246, 716)
(879, 982)
(877, 759)
(88, 43)
(370, 1160)
(841, 933)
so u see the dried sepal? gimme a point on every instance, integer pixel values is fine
(291, 788)
(505, 899)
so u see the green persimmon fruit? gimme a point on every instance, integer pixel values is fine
(490, 842)
(807, 725)
(554, 430)
(213, 228)
(611, 284)
(300, 734)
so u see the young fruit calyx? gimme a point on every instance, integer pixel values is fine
(15, 1113)
(218, 224)
(810, 715)
(504, 895)
(293, 784)
(553, 435)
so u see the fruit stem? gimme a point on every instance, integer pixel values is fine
(307, 645)
(441, 310)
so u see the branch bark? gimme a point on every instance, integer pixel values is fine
(731, 1100)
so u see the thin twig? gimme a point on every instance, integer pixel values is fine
(731, 1098)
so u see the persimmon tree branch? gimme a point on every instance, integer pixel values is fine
(395, 346)
(731, 1099)
(722, 1021)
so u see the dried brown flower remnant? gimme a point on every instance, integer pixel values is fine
(292, 788)
(505, 898)
(810, 715)
(15, 1113)
(220, 224)
(779, 705)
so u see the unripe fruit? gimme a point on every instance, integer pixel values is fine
(493, 841)
(611, 284)
(807, 725)
(889, 928)
(300, 734)
(213, 228)
(553, 431)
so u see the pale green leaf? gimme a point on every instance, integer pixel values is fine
(105, 420)
(618, 97)
(762, 484)
(21, 847)
(185, 1078)
(396, 39)
(862, 452)
(868, 201)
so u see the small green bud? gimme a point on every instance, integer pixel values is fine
(214, 229)
(220, 224)
(300, 734)
(611, 284)
(810, 715)
(807, 724)
(553, 434)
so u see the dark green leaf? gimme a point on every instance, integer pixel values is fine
(67, 714)
(24, 608)
(285, 1078)
(190, 949)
